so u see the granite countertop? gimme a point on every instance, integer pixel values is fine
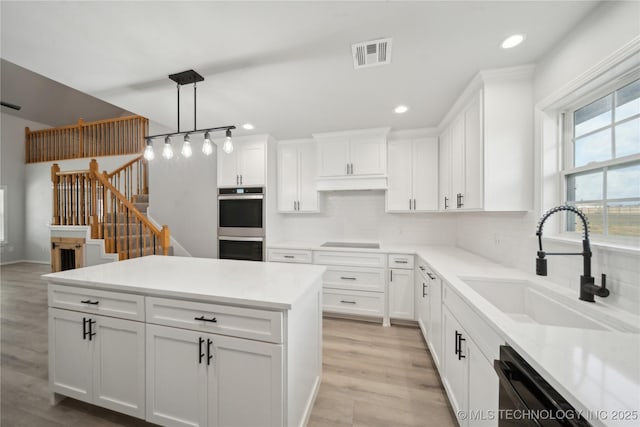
(251, 284)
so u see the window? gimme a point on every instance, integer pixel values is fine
(3, 218)
(602, 176)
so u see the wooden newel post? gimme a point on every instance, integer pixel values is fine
(165, 239)
(55, 179)
(80, 145)
(93, 169)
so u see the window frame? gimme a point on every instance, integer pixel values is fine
(566, 125)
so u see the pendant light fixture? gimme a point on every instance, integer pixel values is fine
(183, 78)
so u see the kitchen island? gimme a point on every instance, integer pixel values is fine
(189, 341)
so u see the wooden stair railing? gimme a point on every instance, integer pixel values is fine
(112, 137)
(87, 197)
(131, 178)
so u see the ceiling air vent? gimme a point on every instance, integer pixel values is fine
(374, 52)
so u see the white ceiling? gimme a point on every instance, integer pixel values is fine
(286, 67)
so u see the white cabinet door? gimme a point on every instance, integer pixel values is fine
(333, 156)
(307, 192)
(455, 364)
(435, 319)
(70, 354)
(457, 161)
(422, 297)
(368, 156)
(399, 195)
(251, 163)
(228, 175)
(118, 365)
(245, 383)
(287, 177)
(425, 174)
(401, 294)
(483, 387)
(444, 171)
(176, 377)
(473, 154)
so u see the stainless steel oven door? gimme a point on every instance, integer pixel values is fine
(243, 248)
(241, 215)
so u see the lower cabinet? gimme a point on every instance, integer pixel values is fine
(456, 368)
(401, 298)
(97, 359)
(201, 379)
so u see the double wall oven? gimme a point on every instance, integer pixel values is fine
(241, 223)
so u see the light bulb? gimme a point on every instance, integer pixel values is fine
(227, 147)
(186, 147)
(167, 151)
(207, 147)
(148, 151)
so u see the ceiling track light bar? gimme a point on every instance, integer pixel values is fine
(181, 79)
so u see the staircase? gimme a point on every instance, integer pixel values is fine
(113, 204)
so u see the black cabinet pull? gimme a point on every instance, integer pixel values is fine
(84, 328)
(401, 261)
(431, 276)
(457, 343)
(209, 355)
(200, 353)
(91, 333)
(446, 202)
(347, 278)
(347, 302)
(289, 256)
(459, 340)
(391, 278)
(421, 268)
(88, 301)
(204, 319)
(424, 290)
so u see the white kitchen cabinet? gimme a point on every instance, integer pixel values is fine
(483, 386)
(97, 359)
(296, 176)
(429, 308)
(486, 144)
(245, 165)
(401, 284)
(412, 175)
(352, 160)
(456, 369)
(201, 379)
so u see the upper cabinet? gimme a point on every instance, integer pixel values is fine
(486, 144)
(296, 176)
(245, 165)
(352, 160)
(412, 175)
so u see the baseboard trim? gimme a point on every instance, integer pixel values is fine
(25, 261)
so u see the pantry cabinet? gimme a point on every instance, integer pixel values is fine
(486, 144)
(296, 176)
(245, 165)
(412, 175)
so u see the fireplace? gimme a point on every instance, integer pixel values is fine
(67, 253)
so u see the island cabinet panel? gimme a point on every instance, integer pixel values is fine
(240, 322)
(97, 359)
(115, 304)
(200, 379)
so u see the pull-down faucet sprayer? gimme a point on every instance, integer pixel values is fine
(588, 288)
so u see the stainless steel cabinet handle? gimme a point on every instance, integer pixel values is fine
(347, 302)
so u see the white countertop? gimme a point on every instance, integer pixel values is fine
(594, 370)
(252, 284)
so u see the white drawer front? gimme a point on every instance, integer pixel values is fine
(355, 278)
(482, 334)
(290, 255)
(400, 261)
(239, 322)
(353, 302)
(357, 259)
(106, 303)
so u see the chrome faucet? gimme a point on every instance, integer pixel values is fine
(588, 288)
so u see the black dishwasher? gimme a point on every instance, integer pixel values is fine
(526, 399)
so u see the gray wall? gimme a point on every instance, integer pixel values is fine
(12, 175)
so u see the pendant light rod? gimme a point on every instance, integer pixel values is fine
(178, 107)
(194, 107)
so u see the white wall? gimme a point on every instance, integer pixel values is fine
(510, 238)
(12, 175)
(360, 215)
(39, 201)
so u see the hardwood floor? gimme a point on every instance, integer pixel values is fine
(372, 376)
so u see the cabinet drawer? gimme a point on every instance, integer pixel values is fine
(239, 322)
(484, 336)
(106, 303)
(353, 302)
(356, 259)
(355, 278)
(400, 261)
(290, 255)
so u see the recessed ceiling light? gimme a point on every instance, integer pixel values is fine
(400, 109)
(247, 126)
(512, 41)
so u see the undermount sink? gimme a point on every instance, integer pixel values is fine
(355, 245)
(526, 302)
